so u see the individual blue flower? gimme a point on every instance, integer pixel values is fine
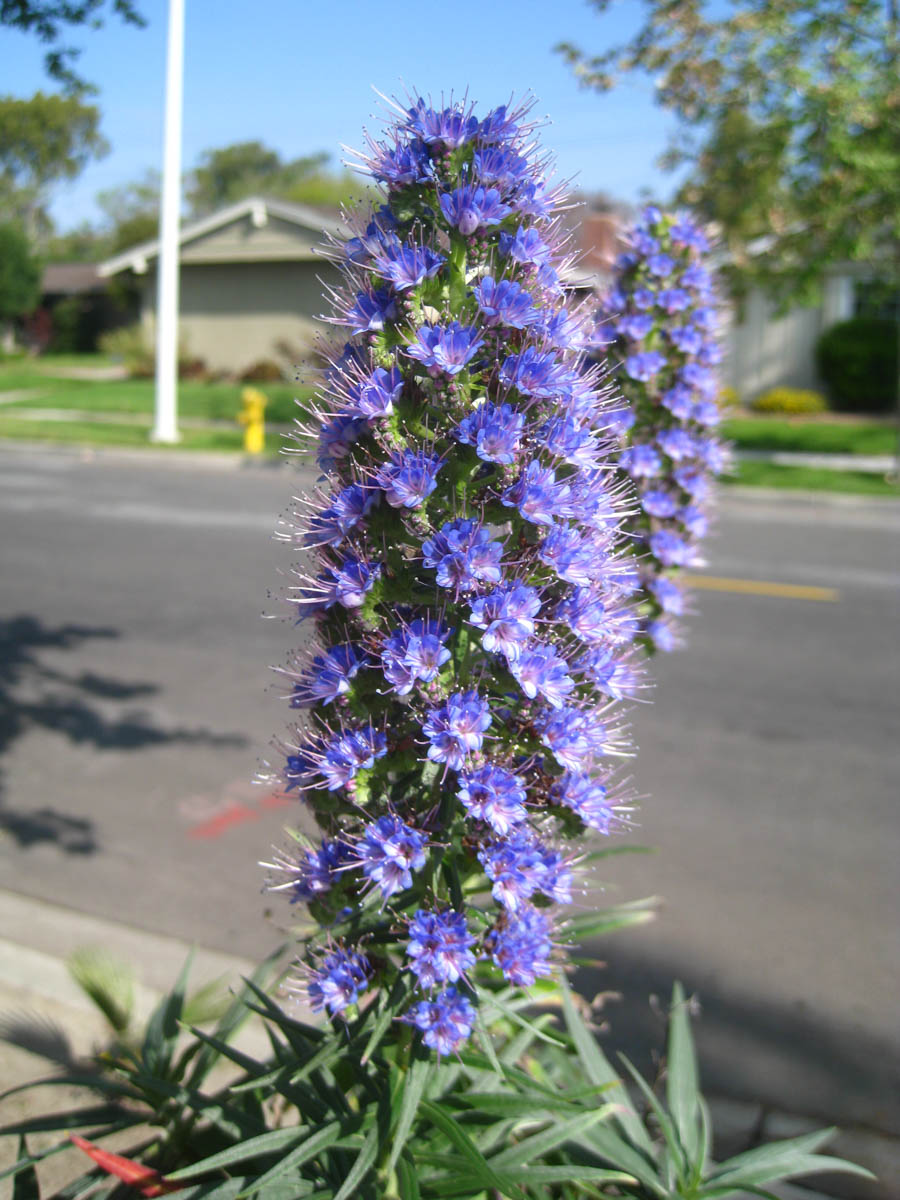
(609, 673)
(663, 635)
(685, 233)
(407, 266)
(400, 166)
(370, 310)
(661, 265)
(446, 1022)
(494, 430)
(409, 477)
(659, 503)
(538, 495)
(574, 557)
(499, 126)
(586, 614)
(671, 549)
(679, 400)
(641, 461)
(642, 299)
(520, 865)
(328, 676)
(389, 851)
(377, 394)
(336, 437)
(695, 521)
(415, 652)
(507, 618)
(669, 595)
(463, 555)
(457, 728)
(494, 795)
(338, 979)
(520, 944)
(525, 246)
(540, 670)
(470, 208)
(698, 278)
(701, 379)
(587, 796)
(347, 584)
(536, 373)
(571, 442)
(314, 873)
(499, 166)
(338, 758)
(505, 302)
(635, 326)
(677, 444)
(645, 365)
(644, 243)
(439, 946)
(686, 338)
(376, 236)
(445, 349)
(576, 737)
(674, 300)
(451, 127)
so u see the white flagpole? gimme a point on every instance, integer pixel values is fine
(165, 427)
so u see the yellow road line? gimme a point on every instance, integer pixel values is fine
(760, 587)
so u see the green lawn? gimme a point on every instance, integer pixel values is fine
(814, 479)
(85, 433)
(819, 436)
(212, 401)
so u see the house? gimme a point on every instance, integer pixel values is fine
(251, 282)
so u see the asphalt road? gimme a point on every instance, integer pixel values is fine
(135, 701)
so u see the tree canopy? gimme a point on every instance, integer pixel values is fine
(51, 19)
(43, 141)
(230, 173)
(20, 274)
(789, 121)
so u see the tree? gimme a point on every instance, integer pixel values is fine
(789, 118)
(43, 141)
(50, 18)
(131, 211)
(231, 173)
(20, 278)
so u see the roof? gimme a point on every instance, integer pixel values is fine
(70, 279)
(257, 208)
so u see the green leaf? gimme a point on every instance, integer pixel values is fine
(407, 1180)
(682, 1085)
(255, 1147)
(361, 1166)
(313, 1145)
(77, 1118)
(600, 1072)
(413, 1089)
(610, 920)
(570, 1173)
(107, 982)
(782, 1160)
(163, 1026)
(25, 1185)
(666, 1124)
(475, 1160)
(548, 1139)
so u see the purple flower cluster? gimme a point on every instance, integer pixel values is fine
(470, 594)
(662, 311)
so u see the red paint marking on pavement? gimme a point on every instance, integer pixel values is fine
(236, 815)
(276, 800)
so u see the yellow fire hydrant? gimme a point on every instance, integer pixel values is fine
(252, 417)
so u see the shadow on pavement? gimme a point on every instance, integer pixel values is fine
(82, 708)
(783, 1056)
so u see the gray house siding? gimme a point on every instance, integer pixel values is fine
(234, 314)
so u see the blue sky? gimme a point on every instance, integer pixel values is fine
(298, 75)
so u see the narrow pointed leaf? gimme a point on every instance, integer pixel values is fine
(364, 1161)
(682, 1086)
(313, 1145)
(414, 1086)
(265, 1143)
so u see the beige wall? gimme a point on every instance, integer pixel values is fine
(235, 314)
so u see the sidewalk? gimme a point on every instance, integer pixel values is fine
(36, 937)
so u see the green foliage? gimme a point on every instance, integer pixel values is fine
(20, 274)
(536, 1111)
(789, 117)
(858, 361)
(49, 19)
(43, 141)
(131, 212)
(790, 401)
(231, 173)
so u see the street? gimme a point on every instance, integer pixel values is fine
(135, 703)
